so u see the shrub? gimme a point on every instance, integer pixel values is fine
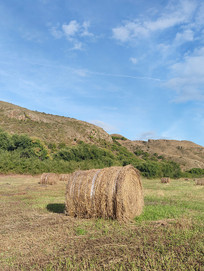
(5, 141)
(194, 173)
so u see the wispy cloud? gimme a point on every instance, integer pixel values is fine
(125, 76)
(185, 36)
(133, 60)
(85, 32)
(188, 77)
(86, 72)
(147, 135)
(56, 32)
(32, 35)
(74, 31)
(172, 15)
(183, 64)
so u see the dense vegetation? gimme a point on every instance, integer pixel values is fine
(195, 172)
(22, 154)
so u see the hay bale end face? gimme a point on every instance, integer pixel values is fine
(165, 180)
(49, 178)
(199, 182)
(114, 192)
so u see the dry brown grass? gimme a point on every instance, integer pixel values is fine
(114, 192)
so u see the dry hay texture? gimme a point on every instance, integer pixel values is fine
(114, 192)
(165, 180)
(64, 177)
(49, 178)
(200, 182)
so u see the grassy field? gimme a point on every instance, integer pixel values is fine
(36, 235)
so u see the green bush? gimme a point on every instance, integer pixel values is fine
(5, 141)
(151, 169)
(194, 173)
(119, 138)
(22, 154)
(83, 152)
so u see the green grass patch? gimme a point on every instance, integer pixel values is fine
(80, 231)
(157, 212)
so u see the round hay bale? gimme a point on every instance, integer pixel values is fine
(114, 192)
(49, 178)
(64, 177)
(165, 180)
(200, 182)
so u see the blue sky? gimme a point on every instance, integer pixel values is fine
(133, 67)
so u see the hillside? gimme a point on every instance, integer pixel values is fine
(49, 128)
(187, 154)
(57, 129)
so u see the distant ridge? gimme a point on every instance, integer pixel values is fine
(186, 153)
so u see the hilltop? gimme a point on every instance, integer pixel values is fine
(47, 127)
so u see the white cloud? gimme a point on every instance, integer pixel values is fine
(129, 31)
(187, 35)
(133, 60)
(74, 29)
(121, 33)
(75, 32)
(85, 31)
(188, 77)
(77, 46)
(71, 29)
(173, 15)
(200, 15)
(56, 32)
